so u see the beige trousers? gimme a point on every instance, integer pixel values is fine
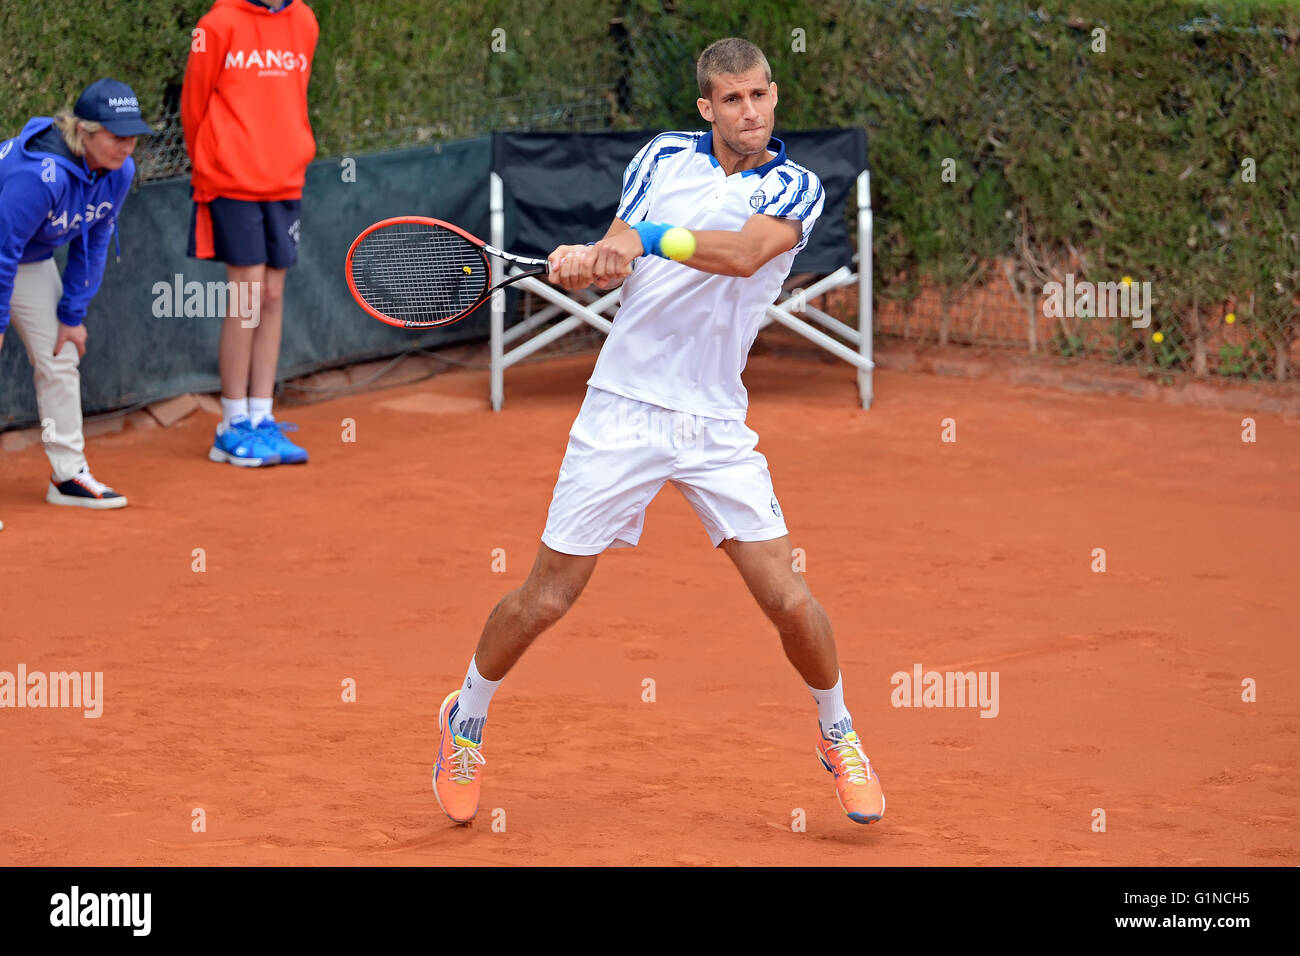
(33, 315)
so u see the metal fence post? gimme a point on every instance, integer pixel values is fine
(497, 210)
(865, 384)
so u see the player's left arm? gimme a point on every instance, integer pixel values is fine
(743, 253)
(722, 252)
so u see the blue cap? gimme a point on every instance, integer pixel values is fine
(114, 105)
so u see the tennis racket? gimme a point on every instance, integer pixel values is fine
(420, 273)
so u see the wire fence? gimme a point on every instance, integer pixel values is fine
(1001, 311)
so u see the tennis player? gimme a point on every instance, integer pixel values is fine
(63, 181)
(244, 112)
(675, 355)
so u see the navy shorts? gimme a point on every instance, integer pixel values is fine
(240, 232)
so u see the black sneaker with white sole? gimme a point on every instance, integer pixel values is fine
(83, 491)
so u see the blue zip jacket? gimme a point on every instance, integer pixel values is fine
(49, 197)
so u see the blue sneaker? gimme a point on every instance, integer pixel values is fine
(272, 432)
(239, 443)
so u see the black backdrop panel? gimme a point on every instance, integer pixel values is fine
(564, 187)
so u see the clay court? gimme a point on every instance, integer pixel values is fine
(223, 689)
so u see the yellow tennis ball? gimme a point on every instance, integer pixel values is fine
(1127, 280)
(1230, 318)
(678, 243)
(1158, 337)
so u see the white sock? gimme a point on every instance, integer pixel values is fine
(472, 704)
(232, 408)
(258, 410)
(831, 711)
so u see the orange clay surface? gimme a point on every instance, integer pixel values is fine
(223, 690)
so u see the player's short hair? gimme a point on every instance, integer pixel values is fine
(732, 55)
(74, 130)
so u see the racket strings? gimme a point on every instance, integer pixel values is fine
(419, 273)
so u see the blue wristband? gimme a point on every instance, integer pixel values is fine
(651, 233)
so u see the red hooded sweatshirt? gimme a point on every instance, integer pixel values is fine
(244, 102)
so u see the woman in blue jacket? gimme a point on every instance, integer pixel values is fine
(63, 180)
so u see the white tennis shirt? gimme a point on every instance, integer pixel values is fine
(681, 336)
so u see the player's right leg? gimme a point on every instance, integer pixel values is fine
(554, 583)
(613, 466)
(519, 618)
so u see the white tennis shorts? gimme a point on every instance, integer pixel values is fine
(621, 451)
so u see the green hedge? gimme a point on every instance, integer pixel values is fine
(1127, 162)
(381, 65)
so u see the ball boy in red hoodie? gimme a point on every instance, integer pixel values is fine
(244, 112)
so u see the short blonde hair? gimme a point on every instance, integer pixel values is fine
(74, 130)
(732, 55)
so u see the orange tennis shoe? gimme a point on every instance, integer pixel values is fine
(456, 779)
(856, 782)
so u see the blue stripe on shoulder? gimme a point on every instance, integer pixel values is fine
(798, 196)
(687, 139)
(806, 209)
(630, 208)
(786, 180)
